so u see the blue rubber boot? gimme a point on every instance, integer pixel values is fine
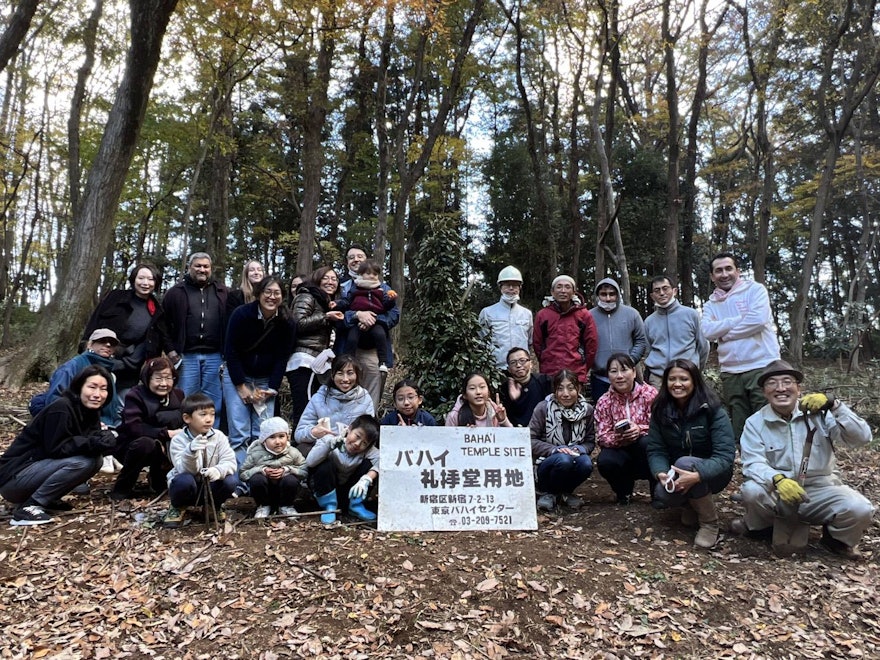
(358, 510)
(328, 503)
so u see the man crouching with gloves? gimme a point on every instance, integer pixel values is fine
(789, 469)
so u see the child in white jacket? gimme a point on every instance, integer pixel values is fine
(197, 452)
(273, 469)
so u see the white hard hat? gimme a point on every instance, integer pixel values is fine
(509, 274)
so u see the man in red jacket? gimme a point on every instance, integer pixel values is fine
(565, 333)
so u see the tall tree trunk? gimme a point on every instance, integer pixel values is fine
(673, 150)
(16, 30)
(65, 316)
(313, 149)
(90, 35)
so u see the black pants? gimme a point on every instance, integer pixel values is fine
(622, 466)
(323, 479)
(273, 492)
(299, 379)
(373, 337)
(135, 456)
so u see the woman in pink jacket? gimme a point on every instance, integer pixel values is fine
(623, 415)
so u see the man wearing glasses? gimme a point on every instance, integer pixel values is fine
(524, 390)
(673, 332)
(779, 480)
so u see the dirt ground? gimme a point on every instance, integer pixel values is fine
(602, 582)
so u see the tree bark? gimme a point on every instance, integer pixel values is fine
(65, 316)
(16, 30)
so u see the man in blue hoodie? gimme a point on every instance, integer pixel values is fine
(620, 330)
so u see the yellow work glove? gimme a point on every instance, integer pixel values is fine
(790, 491)
(816, 402)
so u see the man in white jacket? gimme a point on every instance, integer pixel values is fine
(738, 317)
(507, 324)
(772, 452)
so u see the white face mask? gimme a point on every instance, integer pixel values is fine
(607, 306)
(667, 304)
(510, 298)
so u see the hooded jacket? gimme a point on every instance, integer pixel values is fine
(565, 340)
(618, 331)
(741, 322)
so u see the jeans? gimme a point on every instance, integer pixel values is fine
(688, 463)
(561, 473)
(622, 466)
(242, 418)
(186, 490)
(200, 372)
(50, 479)
(273, 492)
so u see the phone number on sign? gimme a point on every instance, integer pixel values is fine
(486, 520)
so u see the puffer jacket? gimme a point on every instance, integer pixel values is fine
(707, 434)
(259, 457)
(313, 329)
(339, 407)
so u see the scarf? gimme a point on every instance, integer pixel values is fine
(361, 283)
(720, 295)
(559, 418)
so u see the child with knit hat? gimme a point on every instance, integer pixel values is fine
(273, 469)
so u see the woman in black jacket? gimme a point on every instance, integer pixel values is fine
(59, 450)
(137, 318)
(150, 418)
(314, 318)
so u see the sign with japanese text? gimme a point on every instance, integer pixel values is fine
(439, 478)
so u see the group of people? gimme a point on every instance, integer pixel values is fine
(176, 364)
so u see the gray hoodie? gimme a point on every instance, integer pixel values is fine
(620, 331)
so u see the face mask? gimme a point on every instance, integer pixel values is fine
(607, 306)
(671, 300)
(510, 298)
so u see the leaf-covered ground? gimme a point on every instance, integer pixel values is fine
(605, 582)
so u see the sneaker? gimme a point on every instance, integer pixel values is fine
(839, 548)
(263, 511)
(118, 495)
(287, 511)
(31, 514)
(173, 518)
(547, 502)
(241, 490)
(571, 501)
(108, 466)
(383, 368)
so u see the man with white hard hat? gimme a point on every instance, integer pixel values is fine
(507, 324)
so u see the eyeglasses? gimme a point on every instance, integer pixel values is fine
(773, 383)
(162, 379)
(272, 293)
(519, 363)
(661, 289)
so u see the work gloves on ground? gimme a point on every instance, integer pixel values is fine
(361, 488)
(790, 491)
(199, 443)
(816, 402)
(212, 473)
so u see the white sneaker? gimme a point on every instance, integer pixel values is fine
(383, 368)
(107, 467)
(263, 511)
(287, 511)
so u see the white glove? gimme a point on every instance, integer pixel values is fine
(361, 488)
(198, 443)
(213, 473)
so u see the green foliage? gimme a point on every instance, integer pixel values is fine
(445, 341)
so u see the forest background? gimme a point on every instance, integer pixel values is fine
(451, 138)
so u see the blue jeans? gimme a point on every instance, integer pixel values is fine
(50, 479)
(241, 418)
(200, 372)
(562, 473)
(186, 490)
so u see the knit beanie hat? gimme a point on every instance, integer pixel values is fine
(272, 426)
(563, 278)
